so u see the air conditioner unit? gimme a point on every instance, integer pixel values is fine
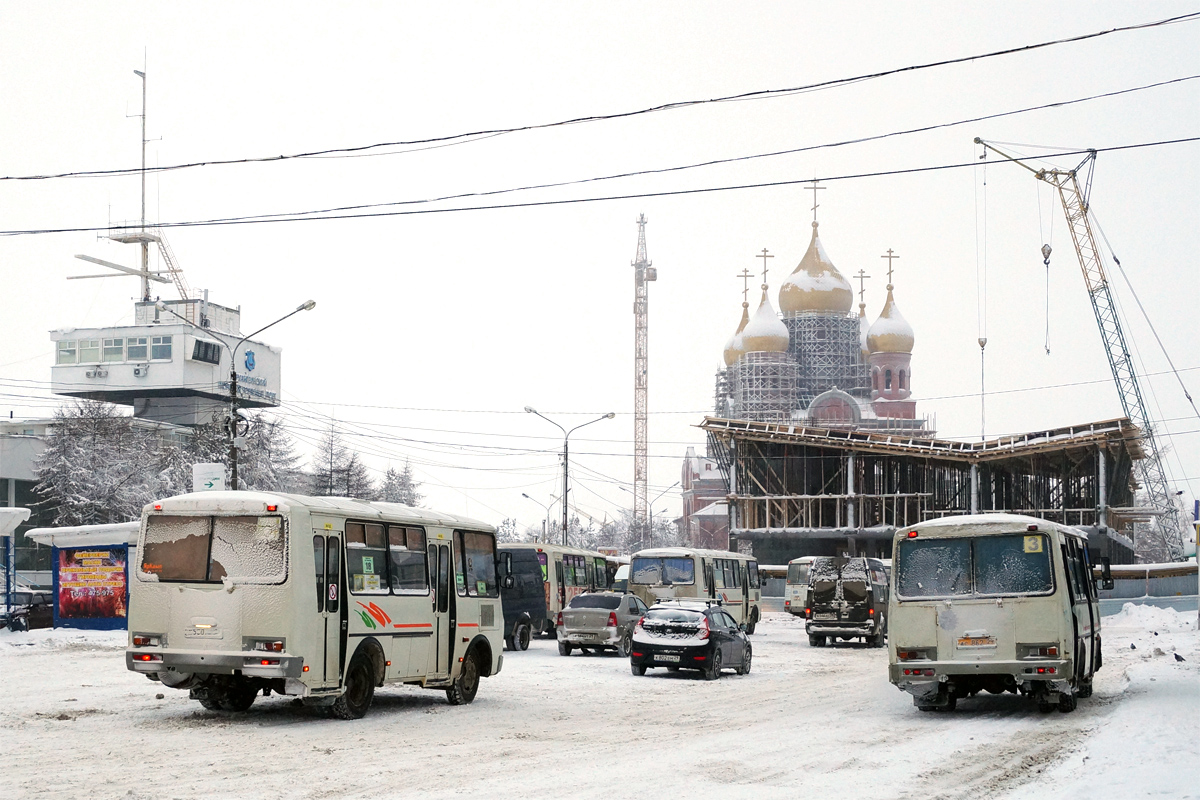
(141, 370)
(96, 373)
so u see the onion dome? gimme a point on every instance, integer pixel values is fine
(816, 284)
(863, 327)
(765, 332)
(734, 347)
(891, 333)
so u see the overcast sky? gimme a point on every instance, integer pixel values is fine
(433, 330)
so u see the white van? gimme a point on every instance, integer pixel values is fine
(994, 602)
(796, 585)
(323, 598)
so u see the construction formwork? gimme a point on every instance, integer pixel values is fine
(765, 386)
(828, 352)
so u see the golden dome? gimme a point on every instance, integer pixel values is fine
(765, 332)
(891, 333)
(734, 347)
(815, 284)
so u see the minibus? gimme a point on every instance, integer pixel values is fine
(994, 602)
(677, 573)
(796, 585)
(323, 598)
(566, 573)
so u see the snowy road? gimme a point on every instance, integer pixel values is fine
(812, 723)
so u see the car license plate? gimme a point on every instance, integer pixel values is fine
(977, 642)
(585, 637)
(827, 617)
(664, 657)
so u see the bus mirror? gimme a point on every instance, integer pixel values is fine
(508, 581)
(1106, 578)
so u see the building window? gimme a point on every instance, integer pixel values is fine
(160, 347)
(887, 380)
(89, 351)
(136, 348)
(208, 352)
(900, 378)
(114, 350)
(67, 352)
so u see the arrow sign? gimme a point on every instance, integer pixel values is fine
(208, 477)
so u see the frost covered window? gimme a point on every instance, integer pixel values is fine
(646, 571)
(160, 347)
(479, 558)
(209, 549)
(113, 350)
(406, 547)
(797, 573)
(89, 351)
(68, 353)
(933, 567)
(366, 558)
(718, 573)
(1013, 564)
(136, 348)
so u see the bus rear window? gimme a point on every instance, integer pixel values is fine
(797, 573)
(1014, 564)
(933, 568)
(1007, 564)
(208, 549)
(664, 571)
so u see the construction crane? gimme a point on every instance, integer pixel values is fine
(643, 273)
(1075, 205)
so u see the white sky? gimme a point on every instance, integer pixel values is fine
(433, 331)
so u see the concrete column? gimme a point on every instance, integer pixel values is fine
(850, 510)
(1101, 488)
(974, 488)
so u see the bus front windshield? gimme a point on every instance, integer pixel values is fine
(662, 571)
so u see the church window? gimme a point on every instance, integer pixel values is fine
(887, 380)
(900, 383)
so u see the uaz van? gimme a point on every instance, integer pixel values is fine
(847, 598)
(993, 602)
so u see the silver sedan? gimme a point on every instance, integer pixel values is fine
(599, 621)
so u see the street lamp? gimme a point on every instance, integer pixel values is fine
(308, 305)
(566, 473)
(545, 508)
(651, 504)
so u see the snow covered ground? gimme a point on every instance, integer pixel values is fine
(812, 723)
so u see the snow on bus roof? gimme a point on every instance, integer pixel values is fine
(988, 521)
(683, 552)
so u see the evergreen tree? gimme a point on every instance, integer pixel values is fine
(401, 487)
(337, 470)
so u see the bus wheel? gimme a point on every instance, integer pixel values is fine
(466, 685)
(1084, 689)
(521, 636)
(204, 695)
(625, 645)
(238, 697)
(1067, 702)
(360, 689)
(752, 622)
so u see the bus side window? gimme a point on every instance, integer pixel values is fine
(460, 579)
(730, 570)
(718, 573)
(589, 572)
(754, 582)
(406, 551)
(319, 568)
(333, 568)
(738, 566)
(443, 580)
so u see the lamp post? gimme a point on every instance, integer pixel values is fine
(308, 305)
(566, 472)
(545, 507)
(651, 504)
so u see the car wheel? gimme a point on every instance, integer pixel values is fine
(744, 669)
(360, 689)
(521, 636)
(714, 667)
(466, 685)
(816, 641)
(625, 645)
(637, 669)
(564, 649)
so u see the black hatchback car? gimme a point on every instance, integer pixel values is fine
(680, 634)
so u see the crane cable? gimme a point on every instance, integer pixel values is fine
(1046, 250)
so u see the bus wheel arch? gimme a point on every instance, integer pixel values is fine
(360, 682)
(370, 648)
(462, 690)
(482, 649)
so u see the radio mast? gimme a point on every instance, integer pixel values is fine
(643, 273)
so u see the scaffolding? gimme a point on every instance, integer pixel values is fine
(828, 352)
(765, 386)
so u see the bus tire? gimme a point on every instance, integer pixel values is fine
(1084, 689)
(237, 697)
(521, 635)
(206, 699)
(752, 622)
(360, 689)
(466, 685)
(625, 645)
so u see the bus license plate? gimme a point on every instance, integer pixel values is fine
(977, 642)
(662, 657)
(826, 617)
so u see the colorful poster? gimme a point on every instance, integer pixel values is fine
(91, 583)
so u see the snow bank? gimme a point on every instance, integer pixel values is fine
(1134, 615)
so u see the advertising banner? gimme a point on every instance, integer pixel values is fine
(91, 584)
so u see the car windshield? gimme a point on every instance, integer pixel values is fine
(663, 571)
(1007, 564)
(210, 549)
(609, 602)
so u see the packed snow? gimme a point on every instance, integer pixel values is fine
(807, 722)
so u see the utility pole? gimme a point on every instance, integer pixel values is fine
(643, 273)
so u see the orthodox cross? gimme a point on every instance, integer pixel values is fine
(889, 257)
(814, 189)
(764, 256)
(862, 284)
(745, 275)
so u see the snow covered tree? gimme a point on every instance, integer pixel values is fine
(401, 487)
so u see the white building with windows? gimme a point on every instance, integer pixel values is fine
(168, 370)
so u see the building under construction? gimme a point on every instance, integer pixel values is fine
(797, 490)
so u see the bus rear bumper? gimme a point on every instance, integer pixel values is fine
(208, 662)
(923, 677)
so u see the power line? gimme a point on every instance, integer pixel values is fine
(758, 94)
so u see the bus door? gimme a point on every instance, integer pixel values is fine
(562, 587)
(710, 586)
(1082, 614)
(332, 622)
(745, 590)
(443, 618)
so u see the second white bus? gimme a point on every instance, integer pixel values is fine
(669, 573)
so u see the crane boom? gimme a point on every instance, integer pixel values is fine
(1075, 206)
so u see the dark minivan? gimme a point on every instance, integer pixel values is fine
(847, 598)
(525, 601)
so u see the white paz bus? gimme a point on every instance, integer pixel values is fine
(669, 573)
(324, 598)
